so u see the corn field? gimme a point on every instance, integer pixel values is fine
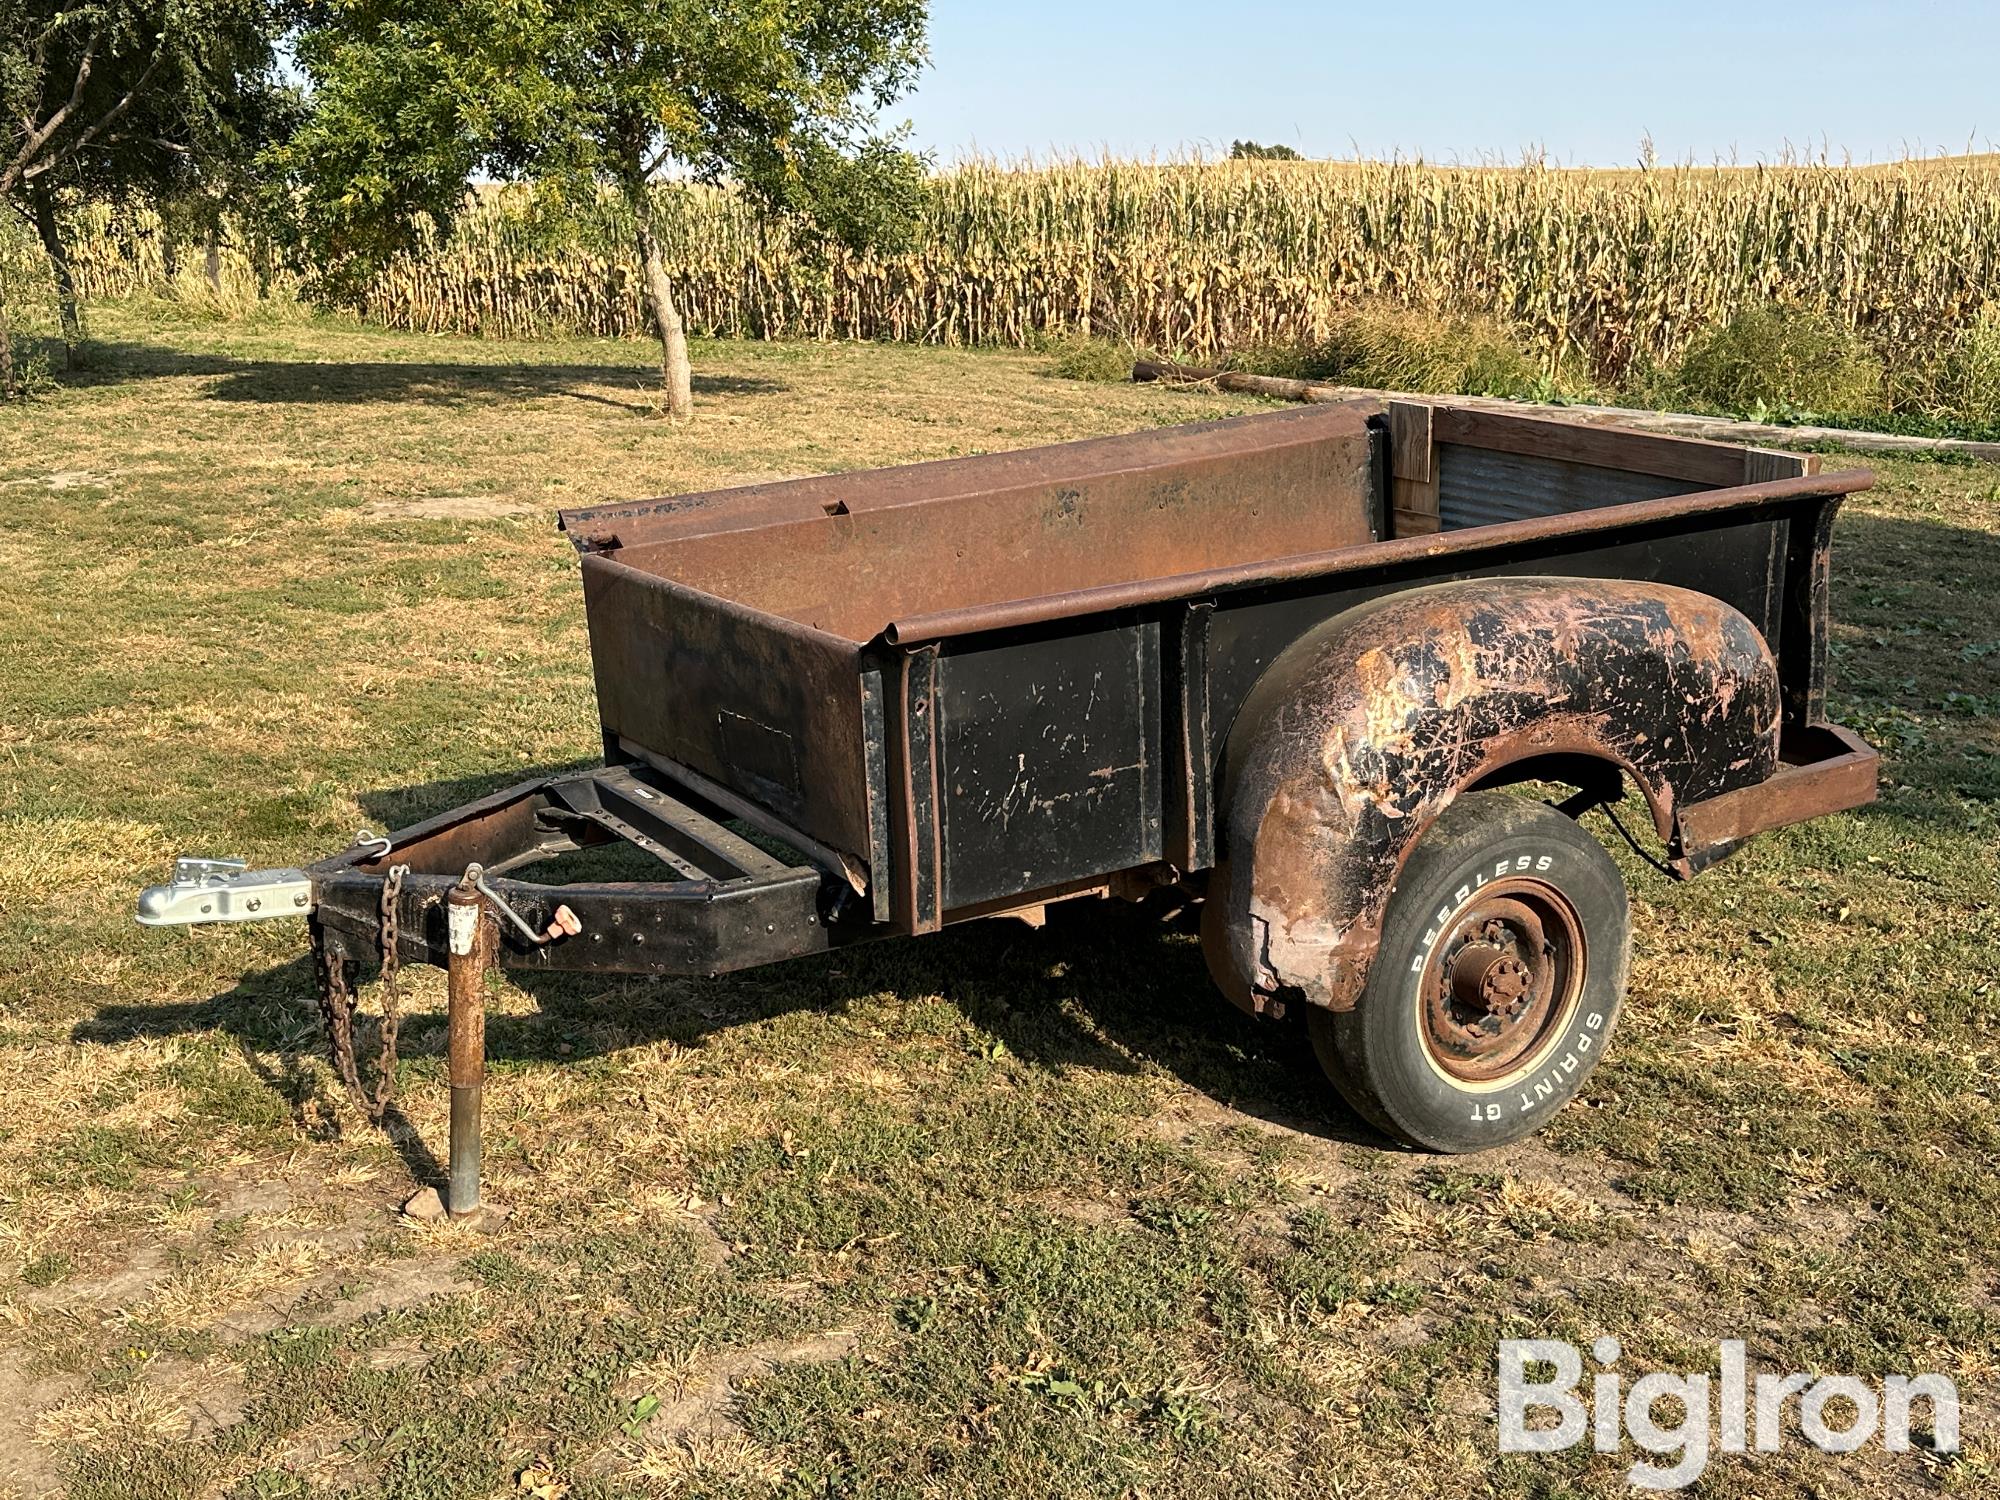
(1602, 273)
(1606, 271)
(117, 253)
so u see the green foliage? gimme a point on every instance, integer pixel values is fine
(1403, 349)
(124, 1467)
(398, 123)
(1330, 1266)
(1092, 359)
(1961, 384)
(1252, 151)
(123, 99)
(27, 306)
(1778, 359)
(119, 96)
(778, 98)
(47, 1270)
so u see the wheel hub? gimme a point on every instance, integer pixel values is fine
(1488, 978)
(1501, 980)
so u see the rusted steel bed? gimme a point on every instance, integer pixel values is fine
(1266, 662)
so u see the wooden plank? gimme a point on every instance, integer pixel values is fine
(1413, 476)
(1699, 462)
(1679, 423)
(1761, 464)
(1410, 441)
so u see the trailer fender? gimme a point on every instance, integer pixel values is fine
(1368, 726)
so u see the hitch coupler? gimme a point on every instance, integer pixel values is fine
(224, 890)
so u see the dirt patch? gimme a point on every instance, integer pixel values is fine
(240, 1200)
(1097, 1211)
(396, 1285)
(700, 1412)
(148, 1266)
(65, 479)
(449, 508)
(27, 1468)
(402, 1354)
(208, 1393)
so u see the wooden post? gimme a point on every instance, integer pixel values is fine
(1413, 486)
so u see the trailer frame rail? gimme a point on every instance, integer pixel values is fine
(729, 904)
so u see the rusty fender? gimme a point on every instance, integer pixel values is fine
(1368, 726)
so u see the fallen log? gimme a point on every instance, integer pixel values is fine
(1680, 424)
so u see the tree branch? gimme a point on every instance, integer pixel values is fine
(16, 171)
(159, 51)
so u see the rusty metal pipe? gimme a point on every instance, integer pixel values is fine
(471, 951)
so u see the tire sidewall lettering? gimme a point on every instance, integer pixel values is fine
(1554, 1080)
(1482, 875)
(1379, 1053)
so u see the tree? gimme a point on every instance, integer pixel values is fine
(111, 98)
(1251, 151)
(638, 97)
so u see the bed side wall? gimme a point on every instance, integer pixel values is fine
(1084, 748)
(1045, 522)
(770, 710)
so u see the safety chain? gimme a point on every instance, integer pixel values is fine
(336, 1009)
(337, 1005)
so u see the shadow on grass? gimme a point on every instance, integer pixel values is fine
(1917, 658)
(271, 1020)
(1103, 987)
(1113, 986)
(429, 383)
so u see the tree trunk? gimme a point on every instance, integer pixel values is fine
(213, 262)
(674, 365)
(7, 378)
(58, 253)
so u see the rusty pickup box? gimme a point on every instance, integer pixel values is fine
(1296, 665)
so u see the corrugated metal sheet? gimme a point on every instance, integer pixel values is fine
(1478, 486)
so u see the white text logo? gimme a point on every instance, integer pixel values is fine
(1747, 1415)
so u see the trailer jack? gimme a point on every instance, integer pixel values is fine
(446, 892)
(227, 890)
(472, 936)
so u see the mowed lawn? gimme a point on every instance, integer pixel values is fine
(996, 1212)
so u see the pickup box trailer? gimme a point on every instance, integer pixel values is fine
(1283, 663)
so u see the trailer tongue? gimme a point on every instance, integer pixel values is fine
(721, 903)
(1255, 660)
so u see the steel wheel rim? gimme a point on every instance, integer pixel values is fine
(1502, 983)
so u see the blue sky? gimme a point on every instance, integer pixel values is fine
(1465, 81)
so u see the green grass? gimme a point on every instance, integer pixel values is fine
(998, 1211)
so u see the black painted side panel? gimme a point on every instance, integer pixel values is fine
(1049, 759)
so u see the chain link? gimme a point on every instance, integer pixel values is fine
(392, 993)
(337, 1004)
(336, 1010)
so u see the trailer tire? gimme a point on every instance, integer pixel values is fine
(1497, 983)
